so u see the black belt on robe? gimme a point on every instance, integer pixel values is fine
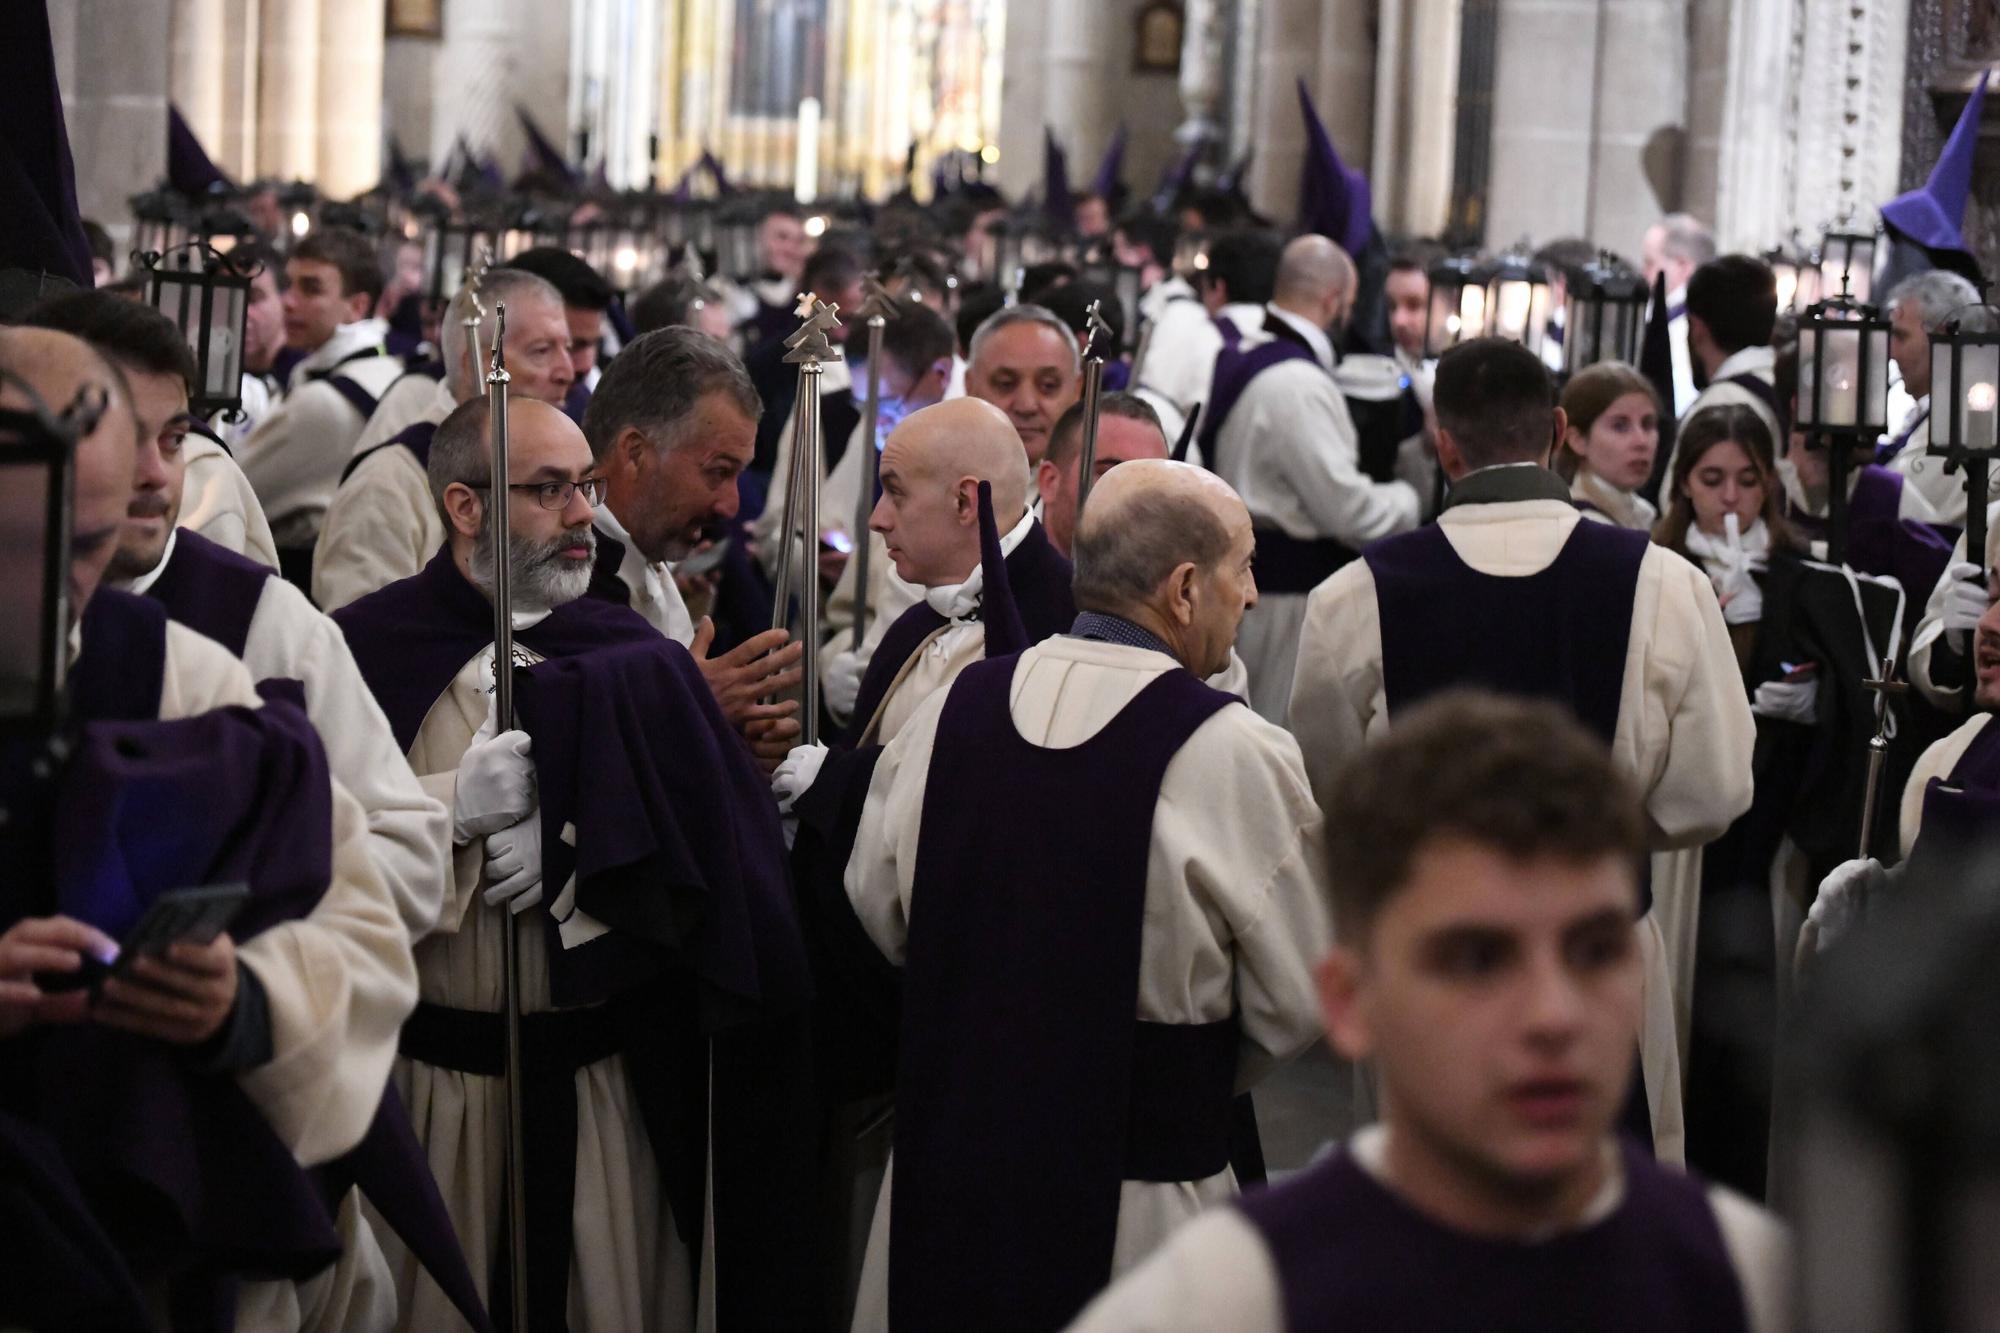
(554, 1045)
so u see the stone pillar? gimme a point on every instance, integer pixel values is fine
(1288, 48)
(1022, 107)
(288, 89)
(1429, 106)
(350, 97)
(235, 147)
(1204, 49)
(111, 63)
(1080, 98)
(196, 59)
(1542, 99)
(472, 74)
(409, 94)
(1642, 104)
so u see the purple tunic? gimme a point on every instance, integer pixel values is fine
(416, 437)
(211, 589)
(1026, 1091)
(1350, 1254)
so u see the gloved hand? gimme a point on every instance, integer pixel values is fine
(514, 865)
(796, 774)
(843, 683)
(1842, 897)
(1964, 601)
(496, 783)
(1787, 700)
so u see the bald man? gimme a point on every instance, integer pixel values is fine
(1042, 1133)
(928, 517)
(303, 1014)
(1277, 429)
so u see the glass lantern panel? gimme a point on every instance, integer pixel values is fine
(1975, 397)
(224, 364)
(1861, 268)
(1829, 377)
(1442, 324)
(1520, 310)
(1873, 409)
(24, 543)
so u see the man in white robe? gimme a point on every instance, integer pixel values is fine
(1918, 305)
(1677, 245)
(1232, 909)
(1485, 962)
(220, 504)
(381, 524)
(1236, 284)
(1678, 721)
(1284, 440)
(332, 988)
(1732, 305)
(295, 455)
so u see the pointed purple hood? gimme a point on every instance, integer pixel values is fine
(1057, 205)
(1110, 168)
(190, 170)
(41, 229)
(1933, 215)
(1334, 198)
(1004, 631)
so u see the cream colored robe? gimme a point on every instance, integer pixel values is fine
(1937, 761)
(217, 502)
(1685, 732)
(1289, 448)
(1236, 910)
(1217, 1273)
(382, 525)
(629, 1269)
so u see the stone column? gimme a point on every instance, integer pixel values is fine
(235, 148)
(472, 75)
(1080, 93)
(1204, 46)
(1429, 106)
(111, 64)
(196, 59)
(1022, 88)
(1642, 104)
(350, 97)
(288, 89)
(1288, 48)
(1542, 100)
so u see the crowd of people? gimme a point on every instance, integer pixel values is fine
(1487, 723)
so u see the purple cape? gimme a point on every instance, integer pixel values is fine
(211, 589)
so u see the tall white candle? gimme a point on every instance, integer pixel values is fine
(805, 180)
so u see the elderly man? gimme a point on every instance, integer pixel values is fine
(1278, 430)
(1509, 590)
(295, 456)
(1024, 361)
(1676, 246)
(1057, 1142)
(382, 524)
(300, 1017)
(604, 773)
(672, 426)
(1917, 305)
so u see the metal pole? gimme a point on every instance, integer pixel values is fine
(1093, 392)
(880, 308)
(809, 446)
(503, 708)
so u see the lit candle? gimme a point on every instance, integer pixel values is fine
(1980, 417)
(805, 181)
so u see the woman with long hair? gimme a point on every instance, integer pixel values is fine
(1609, 444)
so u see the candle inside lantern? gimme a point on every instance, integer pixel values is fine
(805, 180)
(1981, 417)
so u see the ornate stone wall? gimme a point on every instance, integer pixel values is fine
(1949, 41)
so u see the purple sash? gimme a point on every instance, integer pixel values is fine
(211, 589)
(1235, 369)
(1350, 1255)
(1561, 633)
(122, 668)
(1025, 1090)
(416, 437)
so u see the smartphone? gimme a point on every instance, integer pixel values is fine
(701, 562)
(197, 915)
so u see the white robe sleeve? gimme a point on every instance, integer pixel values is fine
(409, 834)
(218, 503)
(1703, 779)
(1937, 761)
(381, 526)
(339, 982)
(1304, 446)
(295, 455)
(883, 867)
(1215, 1273)
(1948, 695)
(1760, 1250)
(1337, 688)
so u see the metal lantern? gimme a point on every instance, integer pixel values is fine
(1604, 312)
(1518, 298)
(453, 251)
(1457, 304)
(37, 453)
(160, 222)
(1965, 405)
(223, 228)
(1796, 273)
(1125, 283)
(1847, 260)
(1843, 393)
(1190, 253)
(206, 293)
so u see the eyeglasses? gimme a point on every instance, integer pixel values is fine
(556, 494)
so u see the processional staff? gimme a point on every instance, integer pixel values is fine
(878, 309)
(497, 495)
(1093, 393)
(798, 569)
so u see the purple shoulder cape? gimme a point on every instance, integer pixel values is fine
(211, 589)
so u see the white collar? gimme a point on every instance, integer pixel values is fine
(1316, 338)
(1754, 546)
(145, 581)
(1247, 316)
(956, 601)
(1628, 509)
(346, 340)
(607, 523)
(1748, 360)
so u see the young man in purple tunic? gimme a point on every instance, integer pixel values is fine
(1510, 590)
(1171, 871)
(1487, 965)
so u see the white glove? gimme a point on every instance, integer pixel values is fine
(514, 865)
(1964, 601)
(1742, 600)
(843, 682)
(1842, 897)
(1787, 700)
(797, 773)
(496, 785)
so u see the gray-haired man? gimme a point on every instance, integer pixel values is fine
(1024, 361)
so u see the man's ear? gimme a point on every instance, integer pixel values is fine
(1449, 457)
(1048, 479)
(1561, 434)
(1181, 591)
(628, 450)
(1340, 1004)
(360, 305)
(464, 506)
(967, 500)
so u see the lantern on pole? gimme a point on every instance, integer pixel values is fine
(37, 466)
(1847, 260)
(453, 250)
(1604, 312)
(1518, 298)
(1843, 393)
(1965, 408)
(206, 293)
(1457, 306)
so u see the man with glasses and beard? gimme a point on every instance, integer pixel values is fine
(1278, 430)
(609, 801)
